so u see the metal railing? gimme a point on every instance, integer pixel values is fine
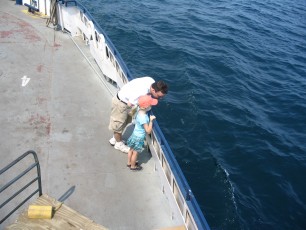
(19, 176)
(175, 179)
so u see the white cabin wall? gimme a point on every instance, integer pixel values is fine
(42, 5)
(69, 17)
(26, 1)
(72, 19)
(47, 7)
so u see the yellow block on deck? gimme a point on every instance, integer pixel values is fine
(40, 212)
(48, 213)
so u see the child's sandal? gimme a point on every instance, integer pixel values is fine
(129, 166)
(137, 168)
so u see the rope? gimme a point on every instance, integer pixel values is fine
(53, 15)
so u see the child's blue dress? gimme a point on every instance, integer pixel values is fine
(136, 140)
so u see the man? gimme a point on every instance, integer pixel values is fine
(125, 99)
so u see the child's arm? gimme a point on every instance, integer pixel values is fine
(148, 127)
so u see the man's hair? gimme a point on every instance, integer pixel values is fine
(160, 86)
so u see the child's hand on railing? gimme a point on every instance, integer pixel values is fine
(152, 117)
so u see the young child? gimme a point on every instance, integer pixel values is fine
(143, 125)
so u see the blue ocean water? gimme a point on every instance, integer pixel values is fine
(235, 116)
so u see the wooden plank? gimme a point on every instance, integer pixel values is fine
(64, 218)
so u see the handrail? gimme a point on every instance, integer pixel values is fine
(180, 179)
(15, 179)
(107, 39)
(184, 189)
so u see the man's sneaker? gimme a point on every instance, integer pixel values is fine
(112, 141)
(122, 147)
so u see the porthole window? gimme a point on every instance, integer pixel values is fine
(86, 22)
(107, 53)
(111, 57)
(124, 79)
(97, 36)
(81, 16)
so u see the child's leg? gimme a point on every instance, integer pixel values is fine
(130, 153)
(134, 158)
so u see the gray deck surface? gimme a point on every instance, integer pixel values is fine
(62, 113)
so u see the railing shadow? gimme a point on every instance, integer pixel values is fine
(67, 194)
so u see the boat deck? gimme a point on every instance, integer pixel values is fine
(63, 218)
(55, 102)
